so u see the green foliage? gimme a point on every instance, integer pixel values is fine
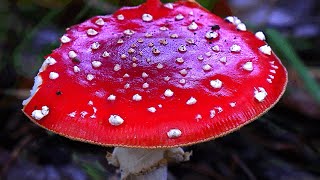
(94, 169)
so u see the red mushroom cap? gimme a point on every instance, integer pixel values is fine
(156, 75)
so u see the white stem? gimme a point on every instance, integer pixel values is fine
(157, 174)
(145, 164)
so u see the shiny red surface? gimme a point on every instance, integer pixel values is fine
(142, 128)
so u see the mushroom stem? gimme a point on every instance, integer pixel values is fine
(138, 163)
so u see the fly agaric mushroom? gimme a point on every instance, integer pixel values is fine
(152, 78)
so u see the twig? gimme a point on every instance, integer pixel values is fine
(210, 173)
(243, 166)
(15, 153)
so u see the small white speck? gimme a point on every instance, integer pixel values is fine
(273, 71)
(208, 54)
(174, 133)
(155, 51)
(96, 64)
(53, 75)
(90, 77)
(212, 113)
(100, 22)
(94, 113)
(232, 104)
(235, 48)
(134, 59)
(65, 39)
(159, 66)
(90, 103)
(120, 41)
(117, 67)
(223, 59)
(274, 66)
(39, 114)
(126, 75)
(216, 48)
(190, 41)
(182, 81)
(45, 110)
(111, 97)
(51, 61)
(216, 83)
(152, 109)
(206, 67)
(269, 80)
(76, 69)
(169, 5)
(265, 49)
(211, 35)
(120, 17)
(168, 93)
(183, 72)
(83, 114)
(95, 45)
(174, 36)
(179, 60)
(191, 13)
(92, 32)
(167, 78)
(163, 41)
(200, 58)
(123, 56)
(219, 109)
(145, 85)
(193, 26)
(236, 20)
(271, 76)
(198, 117)
(115, 120)
(163, 28)
(160, 105)
(148, 35)
(260, 94)
(182, 48)
(260, 35)
(72, 54)
(147, 17)
(126, 86)
(128, 32)
(271, 62)
(248, 66)
(73, 114)
(136, 97)
(191, 101)
(230, 19)
(241, 27)
(105, 54)
(233, 19)
(144, 75)
(179, 17)
(131, 50)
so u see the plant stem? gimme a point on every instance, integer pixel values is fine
(145, 164)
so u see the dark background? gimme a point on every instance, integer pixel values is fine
(283, 144)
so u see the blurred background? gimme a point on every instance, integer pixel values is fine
(283, 144)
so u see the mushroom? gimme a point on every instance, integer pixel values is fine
(172, 81)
